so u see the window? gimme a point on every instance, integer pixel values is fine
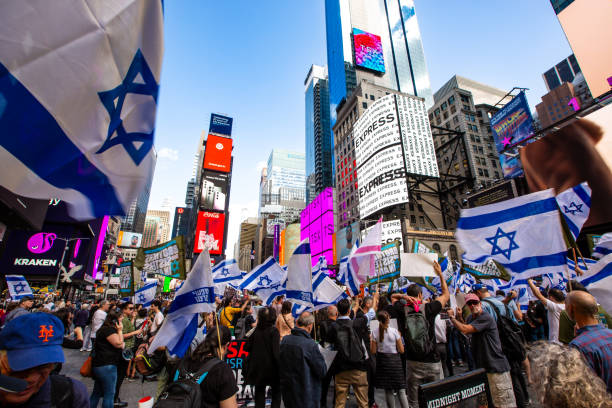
(465, 107)
(465, 99)
(422, 220)
(493, 163)
(365, 105)
(480, 150)
(443, 106)
(453, 109)
(411, 206)
(371, 97)
(455, 119)
(475, 149)
(486, 172)
(418, 196)
(451, 100)
(445, 115)
(437, 112)
(480, 173)
(420, 207)
(496, 175)
(413, 219)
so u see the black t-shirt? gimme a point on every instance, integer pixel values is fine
(486, 346)
(432, 309)
(219, 384)
(248, 323)
(104, 352)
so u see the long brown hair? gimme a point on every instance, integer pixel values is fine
(383, 324)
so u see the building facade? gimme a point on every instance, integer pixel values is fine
(180, 225)
(151, 231)
(134, 221)
(319, 143)
(246, 243)
(162, 218)
(564, 71)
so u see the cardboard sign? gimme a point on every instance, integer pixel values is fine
(418, 265)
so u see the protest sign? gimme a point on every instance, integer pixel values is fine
(236, 358)
(126, 279)
(418, 265)
(167, 259)
(460, 391)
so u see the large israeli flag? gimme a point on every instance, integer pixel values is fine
(362, 259)
(575, 205)
(325, 291)
(299, 275)
(523, 234)
(146, 294)
(226, 273)
(79, 86)
(598, 280)
(348, 276)
(196, 295)
(266, 275)
(18, 286)
(603, 247)
(268, 294)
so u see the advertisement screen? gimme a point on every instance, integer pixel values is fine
(346, 239)
(292, 240)
(317, 224)
(129, 239)
(214, 190)
(218, 153)
(220, 124)
(512, 124)
(368, 50)
(209, 232)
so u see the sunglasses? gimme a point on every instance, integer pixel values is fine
(130, 308)
(473, 303)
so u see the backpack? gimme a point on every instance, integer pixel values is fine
(62, 392)
(348, 344)
(419, 344)
(510, 335)
(184, 390)
(146, 364)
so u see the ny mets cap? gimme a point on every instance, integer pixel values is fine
(32, 340)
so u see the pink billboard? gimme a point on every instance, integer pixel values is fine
(317, 224)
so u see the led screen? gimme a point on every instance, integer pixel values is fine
(218, 153)
(368, 50)
(214, 190)
(317, 224)
(209, 232)
(220, 124)
(129, 239)
(512, 124)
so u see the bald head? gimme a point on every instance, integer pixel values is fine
(581, 306)
(332, 312)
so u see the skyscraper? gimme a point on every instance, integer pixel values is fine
(319, 143)
(564, 71)
(375, 40)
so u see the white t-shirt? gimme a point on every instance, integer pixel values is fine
(157, 321)
(96, 322)
(440, 329)
(389, 344)
(554, 311)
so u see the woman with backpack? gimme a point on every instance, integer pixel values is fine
(262, 365)
(285, 321)
(387, 345)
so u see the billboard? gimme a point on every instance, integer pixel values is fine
(500, 192)
(214, 190)
(220, 124)
(510, 164)
(392, 139)
(317, 224)
(391, 231)
(209, 232)
(126, 279)
(218, 154)
(587, 25)
(167, 259)
(129, 239)
(292, 240)
(345, 240)
(512, 124)
(368, 51)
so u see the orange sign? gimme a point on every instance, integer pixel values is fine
(218, 153)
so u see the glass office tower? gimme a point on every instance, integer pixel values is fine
(376, 40)
(319, 143)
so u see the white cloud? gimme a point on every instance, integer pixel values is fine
(167, 153)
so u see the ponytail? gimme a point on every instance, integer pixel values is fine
(383, 320)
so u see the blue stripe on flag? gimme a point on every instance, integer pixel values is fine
(37, 140)
(572, 227)
(499, 217)
(299, 295)
(205, 295)
(302, 249)
(584, 196)
(256, 272)
(184, 342)
(604, 273)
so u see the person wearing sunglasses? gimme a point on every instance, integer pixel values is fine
(129, 337)
(487, 350)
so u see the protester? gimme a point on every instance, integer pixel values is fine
(262, 366)
(285, 321)
(440, 330)
(593, 340)
(158, 316)
(536, 321)
(98, 319)
(73, 339)
(231, 309)
(564, 380)
(30, 348)
(25, 304)
(106, 358)
(245, 322)
(365, 312)
(81, 316)
(129, 338)
(87, 339)
(487, 350)
(387, 345)
(555, 304)
(326, 328)
(302, 366)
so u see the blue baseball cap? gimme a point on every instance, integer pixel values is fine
(32, 340)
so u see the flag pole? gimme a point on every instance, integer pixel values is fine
(583, 261)
(218, 334)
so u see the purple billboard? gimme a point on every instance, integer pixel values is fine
(317, 224)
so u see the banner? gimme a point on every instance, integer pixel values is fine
(166, 259)
(460, 391)
(126, 279)
(387, 264)
(512, 124)
(236, 358)
(220, 124)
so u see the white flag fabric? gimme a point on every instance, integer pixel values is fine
(347, 275)
(603, 247)
(265, 275)
(226, 273)
(320, 266)
(325, 291)
(575, 205)
(79, 81)
(598, 281)
(196, 295)
(146, 294)
(267, 295)
(523, 234)
(299, 275)
(362, 260)
(18, 287)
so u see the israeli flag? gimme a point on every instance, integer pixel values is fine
(523, 291)
(362, 259)
(226, 273)
(325, 291)
(523, 234)
(266, 275)
(196, 295)
(18, 287)
(465, 282)
(598, 280)
(347, 275)
(267, 295)
(299, 275)
(146, 294)
(321, 266)
(79, 87)
(603, 247)
(575, 205)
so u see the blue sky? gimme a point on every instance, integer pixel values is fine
(250, 62)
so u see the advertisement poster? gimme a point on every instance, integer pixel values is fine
(129, 239)
(512, 124)
(292, 240)
(469, 390)
(236, 358)
(126, 279)
(218, 153)
(368, 51)
(345, 240)
(209, 232)
(510, 164)
(220, 124)
(317, 224)
(214, 190)
(166, 259)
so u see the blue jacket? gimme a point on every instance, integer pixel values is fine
(302, 368)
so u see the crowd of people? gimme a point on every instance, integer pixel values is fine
(561, 347)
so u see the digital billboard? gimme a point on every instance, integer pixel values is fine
(292, 240)
(214, 190)
(220, 124)
(317, 224)
(512, 124)
(368, 51)
(209, 232)
(346, 239)
(218, 154)
(129, 239)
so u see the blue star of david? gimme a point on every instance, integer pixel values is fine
(149, 87)
(501, 234)
(174, 266)
(266, 279)
(225, 272)
(142, 298)
(20, 287)
(573, 208)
